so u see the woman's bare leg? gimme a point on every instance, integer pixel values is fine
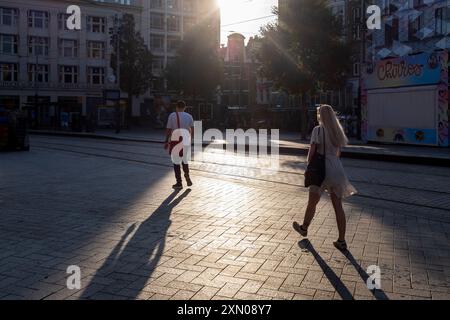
(313, 200)
(340, 216)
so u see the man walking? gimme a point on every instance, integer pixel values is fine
(179, 120)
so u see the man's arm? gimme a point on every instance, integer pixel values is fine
(167, 140)
(168, 133)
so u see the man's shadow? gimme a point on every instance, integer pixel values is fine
(138, 257)
(338, 285)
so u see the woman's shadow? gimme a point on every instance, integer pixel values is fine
(139, 256)
(338, 285)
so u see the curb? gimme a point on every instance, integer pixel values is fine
(396, 158)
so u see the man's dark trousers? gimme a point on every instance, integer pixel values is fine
(177, 169)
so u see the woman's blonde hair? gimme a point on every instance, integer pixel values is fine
(327, 118)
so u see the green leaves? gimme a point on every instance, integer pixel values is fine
(135, 59)
(305, 48)
(197, 69)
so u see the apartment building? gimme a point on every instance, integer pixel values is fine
(61, 74)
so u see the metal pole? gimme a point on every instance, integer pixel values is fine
(361, 65)
(117, 40)
(36, 93)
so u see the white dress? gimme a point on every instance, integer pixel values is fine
(336, 180)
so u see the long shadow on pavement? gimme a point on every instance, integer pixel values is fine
(338, 285)
(131, 264)
(377, 293)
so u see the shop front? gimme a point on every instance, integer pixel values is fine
(10, 102)
(404, 100)
(70, 113)
(41, 113)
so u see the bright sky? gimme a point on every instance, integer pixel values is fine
(233, 11)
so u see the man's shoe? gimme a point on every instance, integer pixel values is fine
(297, 227)
(177, 186)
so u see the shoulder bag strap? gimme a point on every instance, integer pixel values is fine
(324, 145)
(178, 120)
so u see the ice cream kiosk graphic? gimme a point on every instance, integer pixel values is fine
(404, 100)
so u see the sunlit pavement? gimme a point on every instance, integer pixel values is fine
(108, 208)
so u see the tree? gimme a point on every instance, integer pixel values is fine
(135, 62)
(305, 51)
(197, 70)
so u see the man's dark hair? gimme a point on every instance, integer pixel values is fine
(181, 104)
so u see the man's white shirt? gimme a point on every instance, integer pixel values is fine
(186, 121)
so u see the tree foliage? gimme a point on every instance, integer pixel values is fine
(135, 61)
(305, 51)
(197, 70)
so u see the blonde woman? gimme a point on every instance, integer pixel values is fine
(328, 138)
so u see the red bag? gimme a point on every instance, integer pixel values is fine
(172, 144)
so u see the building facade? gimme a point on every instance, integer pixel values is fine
(164, 24)
(405, 78)
(60, 75)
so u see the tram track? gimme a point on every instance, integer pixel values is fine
(122, 156)
(263, 169)
(140, 145)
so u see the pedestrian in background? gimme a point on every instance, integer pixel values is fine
(327, 139)
(179, 120)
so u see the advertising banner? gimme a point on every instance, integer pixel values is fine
(416, 70)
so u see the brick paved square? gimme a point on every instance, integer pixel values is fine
(228, 237)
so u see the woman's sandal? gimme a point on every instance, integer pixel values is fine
(300, 229)
(340, 245)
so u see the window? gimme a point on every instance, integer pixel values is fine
(68, 48)
(338, 12)
(38, 73)
(391, 32)
(173, 23)
(96, 24)
(157, 21)
(415, 25)
(171, 61)
(8, 44)
(96, 75)
(188, 23)
(96, 49)
(356, 68)
(8, 72)
(356, 15)
(389, 7)
(156, 4)
(38, 19)
(62, 21)
(157, 64)
(68, 74)
(9, 16)
(156, 42)
(173, 4)
(38, 46)
(439, 21)
(189, 5)
(173, 43)
(417, 3)
(357, 32)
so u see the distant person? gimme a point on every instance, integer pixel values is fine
(179, 120)
(328, 138)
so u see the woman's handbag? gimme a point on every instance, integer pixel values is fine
(315, 172)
